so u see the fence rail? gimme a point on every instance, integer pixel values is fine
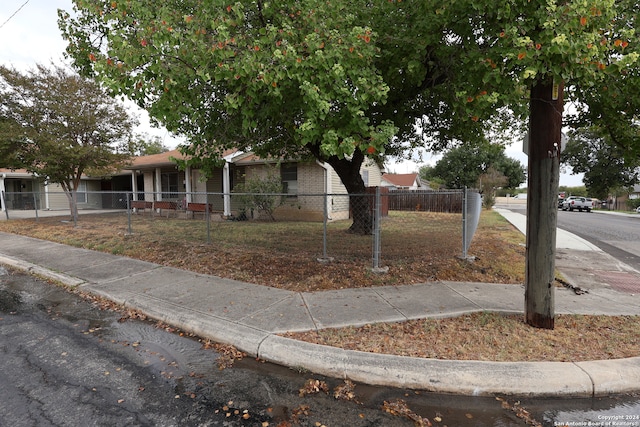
(387, 213)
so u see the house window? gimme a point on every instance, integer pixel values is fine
(289, 177)
(365, 177)
(169, 185)
(81, 192)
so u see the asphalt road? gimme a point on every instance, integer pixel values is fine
(618, 235)
(64, 362)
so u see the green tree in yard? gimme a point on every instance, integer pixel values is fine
(488, 182)
(462, 166)
(336, 81)
(603, 164)
(342, 81)
(293, 80)
(427, 174)
(8, 143)
(62, 126)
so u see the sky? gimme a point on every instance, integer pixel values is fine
(29, 35)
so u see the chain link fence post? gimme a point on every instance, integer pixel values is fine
(207, 217)
(35, 205)
(129, 197)
(325, 220)
(376, 234)
(464, 223)
(471, 209)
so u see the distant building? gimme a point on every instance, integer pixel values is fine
(403, 181)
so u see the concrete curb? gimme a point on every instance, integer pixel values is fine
(474, 378)
(40, 271)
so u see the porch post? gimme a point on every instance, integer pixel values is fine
(134, 184)
(158, 185)
(46, 195)
(187, 182)
(2, 191)
(226, 189)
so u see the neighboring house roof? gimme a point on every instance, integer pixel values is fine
(402, 180)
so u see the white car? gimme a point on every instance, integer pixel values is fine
(638, 209)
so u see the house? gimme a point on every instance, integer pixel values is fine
(153, 178)
(627, 201)
(402, 181)
(307, 183)
(22, 190)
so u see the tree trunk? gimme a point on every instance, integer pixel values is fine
(349, 172)
(545, 132)
(73, 205)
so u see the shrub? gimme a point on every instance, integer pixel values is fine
(261, 194)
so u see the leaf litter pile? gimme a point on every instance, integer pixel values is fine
(415, 246)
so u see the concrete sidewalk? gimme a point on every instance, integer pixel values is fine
(250, 316)
(583, 264)
(564, 239)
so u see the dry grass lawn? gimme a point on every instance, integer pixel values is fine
(416, 246)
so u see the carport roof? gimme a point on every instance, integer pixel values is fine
(16, 173)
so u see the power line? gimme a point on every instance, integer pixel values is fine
(14, 14)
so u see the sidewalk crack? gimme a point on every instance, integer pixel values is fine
(306, 307)
(593, 384)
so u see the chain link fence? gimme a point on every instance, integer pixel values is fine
(382, 226)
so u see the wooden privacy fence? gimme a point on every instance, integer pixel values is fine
(426, 201)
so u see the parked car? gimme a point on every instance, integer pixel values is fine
(580, 203)
(638, 209)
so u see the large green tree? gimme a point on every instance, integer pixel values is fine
(603, 163)
(462, 166)
(62, 126)
(336, 81)
(342, 81)
(9, 144)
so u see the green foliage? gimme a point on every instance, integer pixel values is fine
(9, 142)
(62, 126)
(488, 183)
(580, 191)
(146, 145)
(262, 194)
(589, 151)
(221, 74)
(427, 174)
(341, 81)
(350, 73)
(633, 204)
(462, 166)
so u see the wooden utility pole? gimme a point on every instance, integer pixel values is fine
(545, 133)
